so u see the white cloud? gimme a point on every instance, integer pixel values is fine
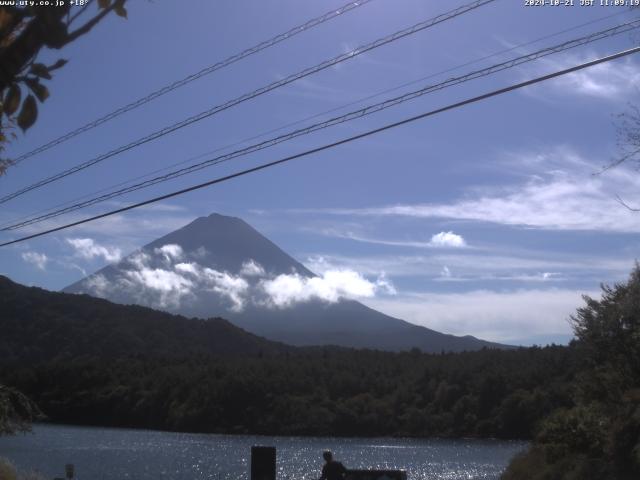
(190, 268)
(447, 239)
(439, 240)
(561, 194)
(286, 290)
(88, 249)
(611, 81)
(229, 286)
(478, 265)
(170, 252)
(385, 285)
(161, 280)
(98, 285)
(139, 260)
(233, 288)
(39, 260)
(251, 268)
(446, 275)
(156, 280)
(170, 286)
(490, 315)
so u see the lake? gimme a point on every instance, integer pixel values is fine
(109, 453)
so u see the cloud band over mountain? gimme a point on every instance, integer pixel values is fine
(168, 276)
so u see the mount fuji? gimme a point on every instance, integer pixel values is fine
(219, 266)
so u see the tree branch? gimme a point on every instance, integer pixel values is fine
(80, 12)
(16, 16)
(622, 202)
(617, 162)
(86, 28)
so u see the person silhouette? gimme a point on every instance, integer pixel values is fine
(332, 470)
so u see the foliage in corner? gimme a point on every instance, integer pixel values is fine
(17, 411)
(24, 31)
(598, 438)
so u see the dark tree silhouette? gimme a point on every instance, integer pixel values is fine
(24, 32)
(16, 411)
(599, 437)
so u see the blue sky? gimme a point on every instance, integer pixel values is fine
(488, 220)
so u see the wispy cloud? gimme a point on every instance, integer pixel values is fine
(521, 266)
(438, 240)
(128, 229)
(446, 275)
(610, 81)
(498, 316)
(39, 260)
(564, 194)
(309, 89)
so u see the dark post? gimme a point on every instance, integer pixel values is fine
(263, 463)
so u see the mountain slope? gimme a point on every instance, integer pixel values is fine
(38, 325)
(219, 266)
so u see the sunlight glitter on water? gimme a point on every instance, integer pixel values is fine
(105, 454)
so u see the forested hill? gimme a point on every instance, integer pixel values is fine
(85, 360)
(490, 393)
(38, 325)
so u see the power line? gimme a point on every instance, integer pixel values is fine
(9, 225)
(231, 103)
(314, 22)
(368, 110)
(334, 144)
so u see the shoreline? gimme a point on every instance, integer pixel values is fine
(250, 434)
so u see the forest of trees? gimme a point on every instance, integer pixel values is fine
(87, 360)
(490, 393)
(580, 404)
(598, 437)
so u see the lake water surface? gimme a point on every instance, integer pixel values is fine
(107, 453)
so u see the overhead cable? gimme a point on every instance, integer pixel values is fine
(368, 110)
(314, 22)
(248, 96)
(306, 119)
(332, 145)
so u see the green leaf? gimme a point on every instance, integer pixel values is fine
(36, 87)
(59, 64)
(12, 100)
(103, 3)
(120, 10)
(40, 70)
(28, 113)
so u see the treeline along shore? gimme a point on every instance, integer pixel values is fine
(89, 361)
(308, 392)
